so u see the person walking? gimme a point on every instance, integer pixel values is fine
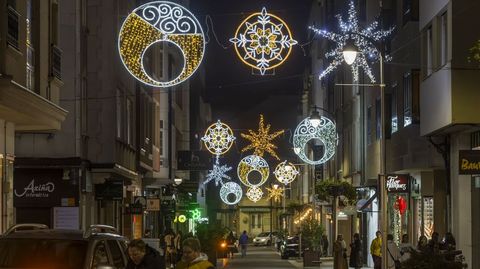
(340, 253)
(394, 255)
(356, 260)
(142, 256)
(376, 251)
(192, 257)
(178, 246)
(422, 244)
(170, 248)
(324, 245)
(434, 243)
(231, 248)
(243, 241)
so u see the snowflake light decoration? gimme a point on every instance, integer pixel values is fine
(231, 188)
(285, 173)
(263, 41)
(218, 138)
(275, 193)
(326, 132)
(261, 141)
(362, 39)
(254, 194)
(253, 163)
(218, 173)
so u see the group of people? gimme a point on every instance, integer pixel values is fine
(232, 244)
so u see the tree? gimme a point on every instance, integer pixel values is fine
(312, 232)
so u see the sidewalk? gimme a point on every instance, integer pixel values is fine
(327, 263)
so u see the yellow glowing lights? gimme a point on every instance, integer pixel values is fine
(285, 172)
(261, 141)
(161, 21)
(263, 41)
(254, 194)
(253, 163)
(218, 138)
(303, 216)
(275, 193)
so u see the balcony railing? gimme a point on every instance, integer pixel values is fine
(12, 23)
(56, 68)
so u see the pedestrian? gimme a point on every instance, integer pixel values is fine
(393, 258)
(376, 251)
(192, 257)
(434, 243)
(142, 256)
(243, 241)
(325, 245)
(449, 246)
(340, 253)
(170, 248)
(422, 244)
(405, 248)
(178, 246)
(231, 248)
(356, 259)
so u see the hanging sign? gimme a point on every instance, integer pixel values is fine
(469, 162)
(397, 183)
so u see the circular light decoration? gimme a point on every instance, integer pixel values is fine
(161, 21)
(326, 132)
(263, 41)
(285, 172)
(231, 188)
(218, 138)
(253, 163)
(254, 194)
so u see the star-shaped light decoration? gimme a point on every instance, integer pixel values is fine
(263, 41)
(218, 173)
(275, 193)
(362, 39)
(261, 141)
(254, 194)
(218, 138)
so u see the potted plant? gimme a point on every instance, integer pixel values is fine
(312, 232)
(210, 236)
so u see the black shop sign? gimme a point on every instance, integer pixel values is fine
(469, 162)
(397, 183)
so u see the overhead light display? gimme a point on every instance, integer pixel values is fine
(285, 172)
(253, 163)
(263, 41)
(155, 22)
(231, 188)
(326, 132)
(261, 142)
(218, 173)
(218, 138)
(362, 39)
(275, 193)
(254, 194)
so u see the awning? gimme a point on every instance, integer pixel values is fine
(368, 203)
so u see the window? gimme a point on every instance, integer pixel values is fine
(12, 26)
(407, 99)
(118, 98)
(116, 252)
(129, 122)
(369, 125)
(394, 119)
(160, 143)
(100, 255)
(429, 51)
(30, 81)
(378, 119)
(410, 11)
(443, 39)
(253, 217)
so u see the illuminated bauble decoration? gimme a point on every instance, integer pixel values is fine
(218, 173)
(155, 22)
(231, 188)
(263, 41)
(253, 163)
(261, 142)
(285, 172)
(218, 138)
(254, 194)
(326, 132)
(275, 193)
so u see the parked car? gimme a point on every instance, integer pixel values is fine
(289, 247)
(264, 239)
(36, 246)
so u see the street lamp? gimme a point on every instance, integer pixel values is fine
(315, 117)
(350, 53)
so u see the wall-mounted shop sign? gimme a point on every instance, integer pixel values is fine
(397, 183)
(469, 162)
(196, 160)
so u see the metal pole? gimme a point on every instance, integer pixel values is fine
(383, 190)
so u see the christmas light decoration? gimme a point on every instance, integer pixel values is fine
(263, 41)
(254, 194)
(261, 141)
(285, 172)
(160, 21)
(231, 188)
(275, 193)
(218, 173)
(325, 132)
(218, 138)
(253, 163)
(362, 38)
(303, 216)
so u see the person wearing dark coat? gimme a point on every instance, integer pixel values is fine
(356, 259)
(142, 256)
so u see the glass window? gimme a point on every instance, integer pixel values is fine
(429, 51)
(394, 109)
(444, 38)
(369, 125)
(378, 120)
(116, 252)
(129, 122)
(100, 256)
(407, 99)
(119, 113)
(160, 143)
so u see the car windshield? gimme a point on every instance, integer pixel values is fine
(263, 235)
(42, 253)
(292, 240)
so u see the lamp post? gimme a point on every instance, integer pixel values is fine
(350, 53)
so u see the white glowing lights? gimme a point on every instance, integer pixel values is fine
(218, 173)
(275, 193)
(254, 194)
(228, 189)
(285, 172)
(263, 41)
(325, 132)
(362, 38)
(161, 21)
(253, 163)
(218, 138)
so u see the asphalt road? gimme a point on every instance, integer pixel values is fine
(257, 257)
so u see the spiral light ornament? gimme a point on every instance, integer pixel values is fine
(253, 163)
(231, 188)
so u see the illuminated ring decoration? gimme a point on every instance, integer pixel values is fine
(253, 163)
(285, 173)
(326, 132)
(263, 41)
(231, 188)
(254, 194)
(161, 21)
(218, 138)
